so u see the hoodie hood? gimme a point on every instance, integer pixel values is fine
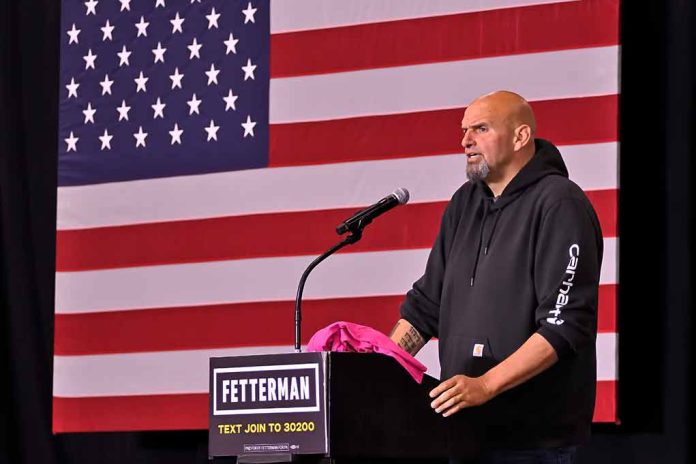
(547, 161)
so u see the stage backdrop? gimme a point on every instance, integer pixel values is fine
(207, 150)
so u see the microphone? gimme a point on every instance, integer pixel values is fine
(364, 217)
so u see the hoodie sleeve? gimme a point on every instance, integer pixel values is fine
(567, 265)
(422, 305)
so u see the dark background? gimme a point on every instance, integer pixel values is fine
(656, 230)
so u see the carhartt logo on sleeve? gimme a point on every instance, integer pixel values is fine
(566, 285)
(478, 350)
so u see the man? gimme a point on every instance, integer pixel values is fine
(510, 289)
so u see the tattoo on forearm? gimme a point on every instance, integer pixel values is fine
(411, 341)
(393, 330)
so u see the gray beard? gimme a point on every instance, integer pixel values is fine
(478, 171)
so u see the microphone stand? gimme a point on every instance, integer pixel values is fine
(356, 234)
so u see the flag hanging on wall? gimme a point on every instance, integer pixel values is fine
(208, 148)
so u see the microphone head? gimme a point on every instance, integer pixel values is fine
(402, 195)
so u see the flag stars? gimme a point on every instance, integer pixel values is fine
(231, 44)
(230, 101)
(71, 142)
(142, 27)
(89, 58)
(124, 56)
(213, 19)
(73, 33)
(159, 52)
(212, 74)
(89, 113)
(248, 126)
(72, 88)
(212, 130)
(249, 14)
(141, 82)
(140, 137)
(177, 23)
(249, 70)
(106, 85)
(91, 7)
(160, 3)
(125, 4)
(105, 140)
(176, 78)
(123, 111)
(158, 109)
(175, 134)
(195, 49)
(107, 31)
(193, 104)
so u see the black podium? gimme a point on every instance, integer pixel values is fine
(329, 406)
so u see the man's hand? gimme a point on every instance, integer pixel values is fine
(459, 392)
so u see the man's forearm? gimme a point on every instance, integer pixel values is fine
(533, 357)
(407, 337)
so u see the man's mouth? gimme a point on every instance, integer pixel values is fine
(473, 156)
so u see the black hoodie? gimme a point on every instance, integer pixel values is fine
(502, 270)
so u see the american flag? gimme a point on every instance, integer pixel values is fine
(208, 148)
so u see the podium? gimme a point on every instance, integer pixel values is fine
(312, 407)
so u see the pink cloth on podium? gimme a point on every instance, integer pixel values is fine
(356, 338)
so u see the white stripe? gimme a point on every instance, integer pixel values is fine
(246, 280)
(303, 188)
(297, 15)
(606, 357)
(537, 76)
(173, 372)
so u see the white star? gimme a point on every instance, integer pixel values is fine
(159, 52)
(124, 54)
(212, 131)
(248, 127)
(106, 140)
(212, 74)
(125, 4)
(73, 33)
(231, 44)
(158, 108)
(89, 113)
(89, 59)
(195, 49)
(249, 70)
(106, 85)
(193, 104)
(160, 3)
(213, 19)
(194, 1)
(176, 134)
(141, 81)
(72, 142)
(230, 100)
(107, 30)
(91, 7)
(176, 78)
(142, 27)
(140, 137)
(249, 14)
(176, 23)
(123, 111)
(72, 88)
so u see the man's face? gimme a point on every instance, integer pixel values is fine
(487, 140)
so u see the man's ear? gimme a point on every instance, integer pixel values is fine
(523, 135)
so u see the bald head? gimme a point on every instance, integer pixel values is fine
(509, 107)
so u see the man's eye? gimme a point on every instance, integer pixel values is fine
(483, 129)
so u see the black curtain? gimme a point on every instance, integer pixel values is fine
(657, 142)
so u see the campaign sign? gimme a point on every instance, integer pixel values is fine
(268, 404)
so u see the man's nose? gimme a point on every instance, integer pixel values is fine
(467, 141)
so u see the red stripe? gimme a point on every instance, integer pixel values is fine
(531, 29)
(240, 237)
(236, 325)
(564, 121)
(190, 412)
(605, 404)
